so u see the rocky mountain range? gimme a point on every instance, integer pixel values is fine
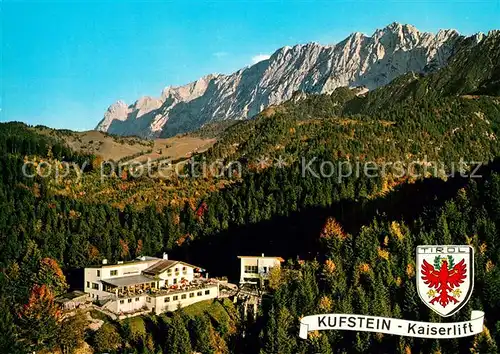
(359, 60)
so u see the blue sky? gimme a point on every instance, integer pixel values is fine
(65, 62)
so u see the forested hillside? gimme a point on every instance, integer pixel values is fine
(372, 271)
(440, 116)
(349, 241)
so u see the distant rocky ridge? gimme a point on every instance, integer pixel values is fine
(358, 60)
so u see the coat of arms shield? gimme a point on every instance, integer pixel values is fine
(445, 277)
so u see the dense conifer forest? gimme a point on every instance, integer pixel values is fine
(349, 242)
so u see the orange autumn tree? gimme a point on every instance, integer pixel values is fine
(125, 251)
(93, 253)
(333, 235)
(40, 318)
(51, 275)
(97, 162)
(332, 229)
(34, 283)
(138, 249)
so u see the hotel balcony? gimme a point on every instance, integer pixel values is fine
(140, 285)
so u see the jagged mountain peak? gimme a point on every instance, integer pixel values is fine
(190, 91)
(358, 60)
(447, 32)
(118, 104)
(397, 26)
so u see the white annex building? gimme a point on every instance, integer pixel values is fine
(255, 269)
(147, 284)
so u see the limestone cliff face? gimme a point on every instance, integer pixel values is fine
(358, 60)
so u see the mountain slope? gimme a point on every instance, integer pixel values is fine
(123, 149)
(446, 116)
(356, 61)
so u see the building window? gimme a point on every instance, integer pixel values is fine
(129, 301)
(176, 297)
(136, 299)
(251, 269)
(199, 293)
(207, 292)
(88, 284)
(148, 299)
(167, 299)
(169, 272)
(191, 294)
(176, 269)
(95, 286)
(98, 273)
(175, 280)
(183, 296)
(121, 301)
(114, 273)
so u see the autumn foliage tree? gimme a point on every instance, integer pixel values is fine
(51, 275)
(40, 319)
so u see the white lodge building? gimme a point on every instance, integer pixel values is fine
(147, 284)
(254, 269)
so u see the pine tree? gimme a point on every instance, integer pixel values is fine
(268, 335)
(178, 340)
(200, 334)
(9, 338)
(410, 308)
(320, 345)
(284, 341)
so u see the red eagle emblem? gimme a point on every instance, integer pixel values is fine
(444, 277)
